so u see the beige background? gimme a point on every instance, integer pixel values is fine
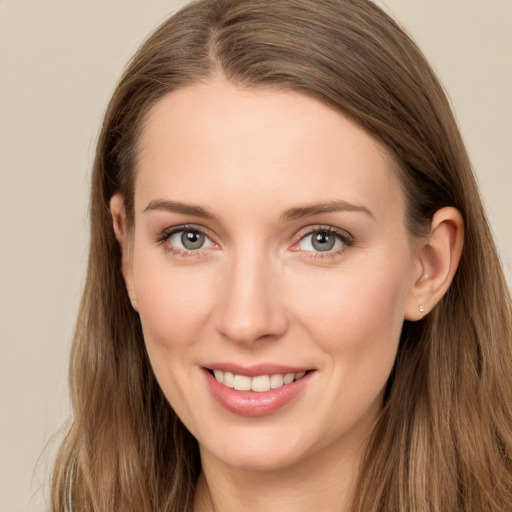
(59, 61)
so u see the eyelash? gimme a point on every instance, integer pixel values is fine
(346, 239)
(163, 239)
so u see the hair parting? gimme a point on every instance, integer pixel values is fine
(444, 439)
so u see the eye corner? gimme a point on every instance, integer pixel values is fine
(173, 240)
(335, 241)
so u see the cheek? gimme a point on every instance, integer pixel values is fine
(358, 309)
(174, 306)
(174, 303)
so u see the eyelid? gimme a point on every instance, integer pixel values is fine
(347, 239)
(164, 236)
(315, 228)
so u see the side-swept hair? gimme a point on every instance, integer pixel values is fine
(443, 441)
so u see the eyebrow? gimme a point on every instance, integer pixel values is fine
(177, 207)
(295, 213)
(325, 207)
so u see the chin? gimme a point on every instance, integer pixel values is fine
(259, 460)
(259, 451)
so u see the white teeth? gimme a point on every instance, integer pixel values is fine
(242, 383)
(276, 381)
(289, 378)
(260, 383)
(228, 380)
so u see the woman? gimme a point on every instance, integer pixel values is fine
(293, 299)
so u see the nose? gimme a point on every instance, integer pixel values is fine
(250, 308)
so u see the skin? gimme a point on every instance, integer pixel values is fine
(258, 291)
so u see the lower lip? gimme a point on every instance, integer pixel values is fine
(252, 403)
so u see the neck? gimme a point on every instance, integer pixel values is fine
(324, 481)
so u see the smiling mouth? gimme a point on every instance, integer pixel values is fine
(258, 383)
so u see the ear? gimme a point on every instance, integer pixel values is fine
(438, 257)
(118, 212)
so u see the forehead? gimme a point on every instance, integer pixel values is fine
(218, 142)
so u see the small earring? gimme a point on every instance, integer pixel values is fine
(422, 309)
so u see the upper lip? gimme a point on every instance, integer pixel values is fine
(256, 369)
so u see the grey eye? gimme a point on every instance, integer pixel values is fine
(192, 239)
(320, 241)
(189, 240)
(323, 241)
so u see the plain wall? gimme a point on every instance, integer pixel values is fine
(59, 62)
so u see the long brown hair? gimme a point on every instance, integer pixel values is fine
(444, 439)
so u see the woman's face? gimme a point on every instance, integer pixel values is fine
(269, 246)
